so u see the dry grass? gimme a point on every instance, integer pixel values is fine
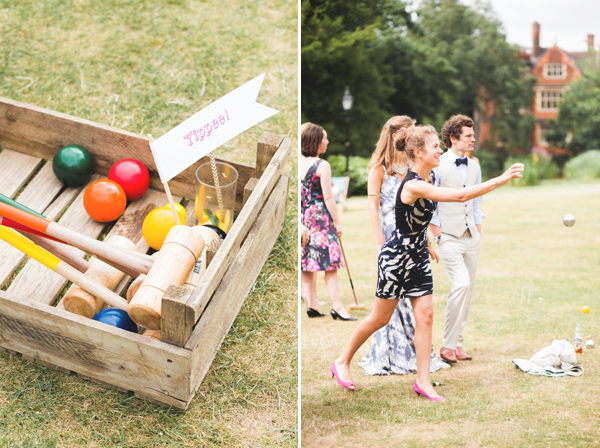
(489, 402)
(145, 66)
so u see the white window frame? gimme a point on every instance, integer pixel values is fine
(550, 71)
(543, 127)
(553, 96)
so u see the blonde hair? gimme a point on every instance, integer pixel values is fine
(385, 150)
(418, 141)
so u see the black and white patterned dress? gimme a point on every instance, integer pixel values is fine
(403, 264)
(392, 346)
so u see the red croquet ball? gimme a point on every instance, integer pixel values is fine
(132, 175)
(104, 200)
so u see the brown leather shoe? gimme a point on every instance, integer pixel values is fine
(461, 355)
(448, 355)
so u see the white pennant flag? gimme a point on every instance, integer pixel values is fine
(208, 129)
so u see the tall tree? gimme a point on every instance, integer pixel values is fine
(486, 67)
(579, 114)
(337, 51)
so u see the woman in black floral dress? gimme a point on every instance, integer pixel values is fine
(404, 269)
(319, 215)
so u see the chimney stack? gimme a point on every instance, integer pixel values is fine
(536, 39)
(590, 41)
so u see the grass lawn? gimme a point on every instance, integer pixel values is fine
(489, 402)
(146, 66)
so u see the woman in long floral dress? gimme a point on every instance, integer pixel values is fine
(392, 347)
(319, 215)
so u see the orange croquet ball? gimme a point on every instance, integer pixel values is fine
(104, 200)
(157, 224)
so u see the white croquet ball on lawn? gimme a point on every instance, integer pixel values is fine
(569, 220)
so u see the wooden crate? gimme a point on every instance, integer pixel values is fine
(194, 322)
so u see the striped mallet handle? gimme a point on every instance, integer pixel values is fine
(18, 241)
(121, 259)
(21, 228)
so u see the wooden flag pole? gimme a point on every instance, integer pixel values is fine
(168, 191)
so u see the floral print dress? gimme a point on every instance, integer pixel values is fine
(322, 253)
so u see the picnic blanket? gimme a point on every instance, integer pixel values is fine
(557, 359)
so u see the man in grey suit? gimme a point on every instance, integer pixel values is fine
(456, 227)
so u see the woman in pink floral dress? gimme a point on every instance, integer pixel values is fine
(319, 215)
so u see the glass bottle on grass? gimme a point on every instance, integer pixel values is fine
(215, 197)
(578, 340)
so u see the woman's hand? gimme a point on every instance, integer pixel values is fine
(433, 254)
(338, 229)
(304, 236)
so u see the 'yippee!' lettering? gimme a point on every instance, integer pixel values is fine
(205, 131)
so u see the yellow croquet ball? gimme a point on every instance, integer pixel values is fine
(585, 309)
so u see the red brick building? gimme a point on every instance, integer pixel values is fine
(554, 69)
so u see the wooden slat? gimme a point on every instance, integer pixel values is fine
(237, 283)
(37, 282)
(42, 189)
(17, 169)
(267, 146)
(250, 186)
(108, 354)
(41, 132)
(189, 313)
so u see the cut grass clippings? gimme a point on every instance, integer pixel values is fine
(489, 402)
(144, 67)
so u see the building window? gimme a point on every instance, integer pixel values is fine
(555, 71)
(544, 128)
(549, 99)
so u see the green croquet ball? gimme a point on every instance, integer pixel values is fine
(73, 165)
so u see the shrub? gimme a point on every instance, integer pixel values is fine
(537, 168)
(491, 163)
(584, 166)
(358, 172)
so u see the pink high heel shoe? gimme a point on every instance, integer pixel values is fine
(348, 385)
(418, 391)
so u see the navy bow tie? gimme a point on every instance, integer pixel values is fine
(459, 161)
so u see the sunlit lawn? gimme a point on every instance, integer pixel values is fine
(489, 402)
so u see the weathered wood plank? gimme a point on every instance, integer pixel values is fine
(42, 189)
(37, 282)
(17, 169)
(250, 186)
(41, 132)
(237, 233)
(108, 354)
(236, 284)
(267, 146)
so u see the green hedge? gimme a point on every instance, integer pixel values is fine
(537, 168)
(584, 166)
(358, 172)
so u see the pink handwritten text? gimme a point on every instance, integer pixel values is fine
(198, 135)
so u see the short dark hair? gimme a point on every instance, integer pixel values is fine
(453, 127)
(311, 136)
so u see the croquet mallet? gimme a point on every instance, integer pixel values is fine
(358, 306)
